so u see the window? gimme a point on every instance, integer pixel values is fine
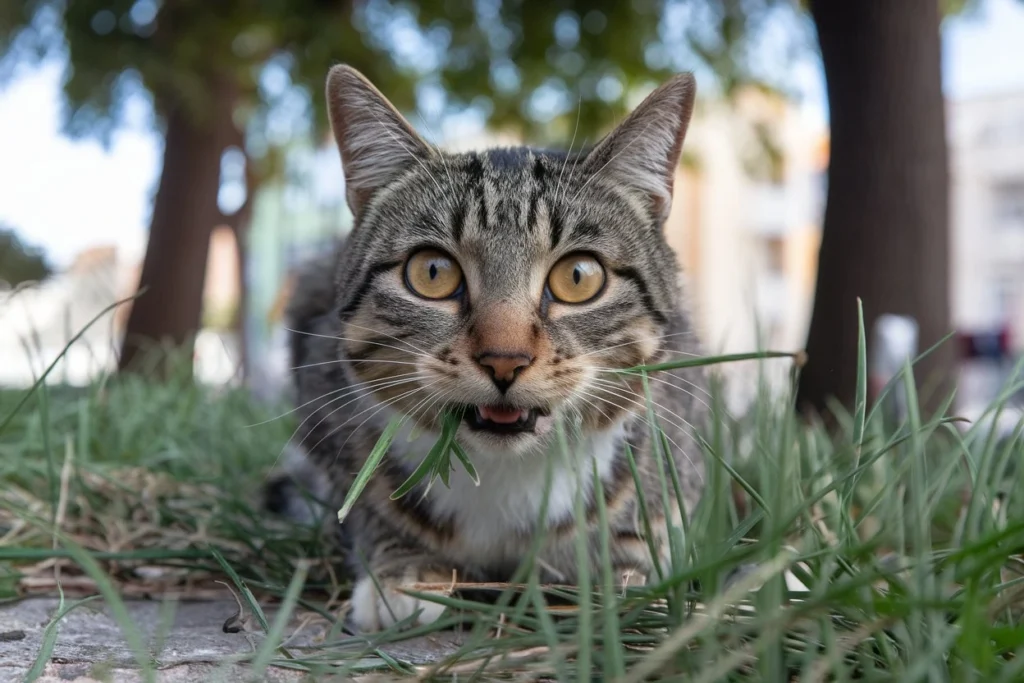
(1008, 204)
(1004, 295)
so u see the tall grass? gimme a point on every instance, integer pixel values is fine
(882, 550)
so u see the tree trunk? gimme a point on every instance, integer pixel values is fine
(886, 235)
(184, 214)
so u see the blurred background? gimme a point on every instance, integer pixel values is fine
(839, 150)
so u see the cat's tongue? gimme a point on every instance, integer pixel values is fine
(501, 415)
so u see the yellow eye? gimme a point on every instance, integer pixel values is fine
(576, 279)
(432, 274)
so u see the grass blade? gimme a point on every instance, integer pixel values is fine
(374, 459)
(50, 634)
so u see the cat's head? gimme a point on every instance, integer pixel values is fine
(506, 283)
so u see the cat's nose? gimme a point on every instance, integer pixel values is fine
(504, 368)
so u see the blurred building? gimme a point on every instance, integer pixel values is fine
(987, 183)
(986, 137)
(37, 322)
(746, 221)
(746, 226)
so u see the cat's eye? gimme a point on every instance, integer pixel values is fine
(433, 274)
(576, 279)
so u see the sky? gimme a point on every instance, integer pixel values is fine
(66, 195)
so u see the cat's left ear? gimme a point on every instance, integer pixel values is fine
(643, 151)
(376, 142)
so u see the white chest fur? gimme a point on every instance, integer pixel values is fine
(510, 495)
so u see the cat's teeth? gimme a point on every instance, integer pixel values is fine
(503, 416)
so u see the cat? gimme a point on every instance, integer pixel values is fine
(508, 285)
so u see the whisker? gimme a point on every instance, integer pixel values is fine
(360, 341)
(579, 109)
(637, 341)
(596, 407)
(653, 378)
(612, 388)
(323, 396)
(382, 361)
(379, 408)
(369, 387)
(389, 336)
(361, 387)
(441, 155)
(643, 418)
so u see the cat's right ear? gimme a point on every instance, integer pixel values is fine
(376, 142)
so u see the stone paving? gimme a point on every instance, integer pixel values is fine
(194, 648)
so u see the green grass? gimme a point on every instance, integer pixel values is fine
(908, 538)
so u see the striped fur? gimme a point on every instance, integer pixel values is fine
(366, 348)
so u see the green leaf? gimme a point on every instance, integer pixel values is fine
(464, 459)
(50, 634)
(376, 455)
(437, 462)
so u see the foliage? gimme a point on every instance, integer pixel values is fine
(520, 64)
(20, 262)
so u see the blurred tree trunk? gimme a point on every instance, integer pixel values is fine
(185, 212)
(886, 236)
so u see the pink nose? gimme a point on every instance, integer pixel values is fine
(504, 368)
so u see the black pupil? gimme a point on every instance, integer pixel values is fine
(433, 271)
(577, 275)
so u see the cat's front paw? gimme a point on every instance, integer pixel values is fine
(374, 610)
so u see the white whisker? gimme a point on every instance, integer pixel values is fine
(579, 109)
(389, 336)
(642, 417)
(379, 408)
(637, 341)
(612, 388)
(361, 387)
(345, 389)
(362, 341)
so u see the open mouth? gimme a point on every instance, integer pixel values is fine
(502, 419)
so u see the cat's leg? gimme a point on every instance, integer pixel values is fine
(632, 558)
(380, 598)
(629, 554)
(298, 490)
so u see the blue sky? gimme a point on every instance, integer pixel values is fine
(66, 195)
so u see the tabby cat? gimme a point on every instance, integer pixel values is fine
(508, 285)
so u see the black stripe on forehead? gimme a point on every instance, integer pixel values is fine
(502, 160)
(539, 170)
(483, 217)
(557, 226)
(474, 169)
(459, 221)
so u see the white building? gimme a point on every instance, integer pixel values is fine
(987, 201)
(986, 138)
